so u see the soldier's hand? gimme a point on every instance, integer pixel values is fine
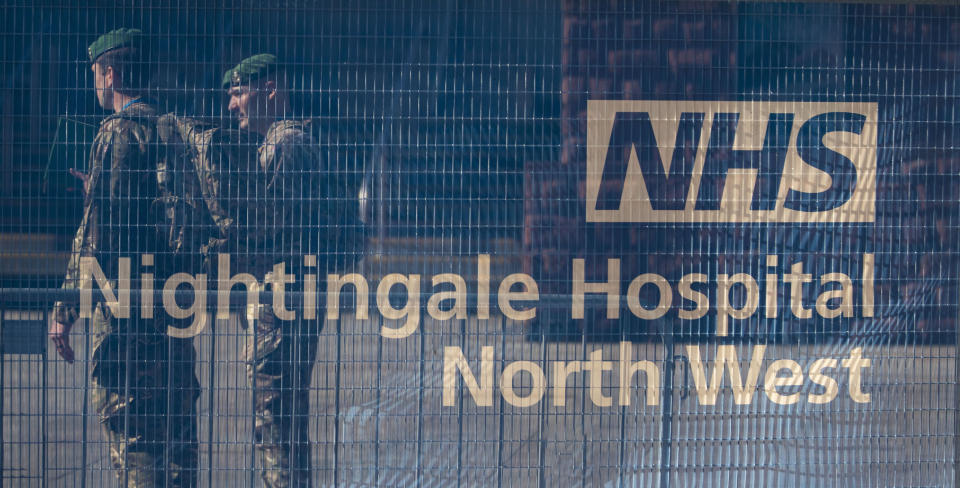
(60, 335)
(83, 177)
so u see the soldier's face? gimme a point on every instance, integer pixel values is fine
(103, 85)
(254, 105)
(243, 101)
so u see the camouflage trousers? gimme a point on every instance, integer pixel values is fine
(280, 357)
(144, 389)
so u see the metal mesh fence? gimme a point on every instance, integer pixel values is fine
(691, 243)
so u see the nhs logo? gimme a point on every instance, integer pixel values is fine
(684, 161)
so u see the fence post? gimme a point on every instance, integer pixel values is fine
(666, 407)
(3, 391)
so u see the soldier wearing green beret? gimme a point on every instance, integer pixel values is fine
(144, 388)
(283, 347)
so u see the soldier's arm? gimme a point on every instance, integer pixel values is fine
(85, 243)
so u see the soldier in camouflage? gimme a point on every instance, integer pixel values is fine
(143, 383)
(281, 353)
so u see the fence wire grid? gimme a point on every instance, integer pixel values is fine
(503, 243)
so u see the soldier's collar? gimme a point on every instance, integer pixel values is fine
(131, 102)
(142, 100)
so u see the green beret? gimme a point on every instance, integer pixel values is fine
(112, 40)
(250, 69)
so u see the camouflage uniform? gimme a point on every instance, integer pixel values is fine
(281, 354)
(143, 383)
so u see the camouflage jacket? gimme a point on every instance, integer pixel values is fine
(118, 219)
(294, 171)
